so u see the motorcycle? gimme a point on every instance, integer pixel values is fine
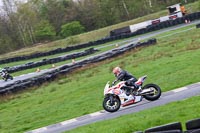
(116, 96)
(5, 76)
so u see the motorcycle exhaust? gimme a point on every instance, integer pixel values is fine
(147, 91)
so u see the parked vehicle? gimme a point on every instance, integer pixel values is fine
(117, 96)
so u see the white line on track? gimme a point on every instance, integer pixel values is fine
(96, 114)
(68, 121)
(180, 89)
(39, 130)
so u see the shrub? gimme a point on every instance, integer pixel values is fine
(72, 28)
(199, 5)
(44, 31)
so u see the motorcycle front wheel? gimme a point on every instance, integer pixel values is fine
(5, 79)
(111, 106)
(11, 77)
(156, 92)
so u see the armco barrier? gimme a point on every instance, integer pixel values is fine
(53, 73)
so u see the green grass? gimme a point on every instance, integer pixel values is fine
(48, 66)
(11, 64)
(168, 33)
(180, 111)
(173, 62)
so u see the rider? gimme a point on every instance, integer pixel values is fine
(2, 72)
(122, 75)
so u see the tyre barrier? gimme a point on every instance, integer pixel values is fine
(192, 126)
(194, 131)
(120, 31)
(124, 34)
(60, 50)
(65, 69)
(198, 26)
(168, 23)
(50, 61)
(175, 127)
(52, 52)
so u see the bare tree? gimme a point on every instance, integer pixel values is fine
(150, 3)
(10, 9)
(125, 8)
(54, 11)
(27, 18)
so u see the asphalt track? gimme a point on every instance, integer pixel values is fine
(125, 43)
(167, 97)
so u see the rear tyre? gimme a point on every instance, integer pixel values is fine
(111, 107)
(156, 92)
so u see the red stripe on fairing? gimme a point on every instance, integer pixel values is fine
(116, 89)
(117, 92)
(139, 82)
(128, 103)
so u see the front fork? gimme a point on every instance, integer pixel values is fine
(111, 97)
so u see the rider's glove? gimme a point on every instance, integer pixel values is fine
(113, 83)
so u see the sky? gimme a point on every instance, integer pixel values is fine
(1, 2)
(1, 5)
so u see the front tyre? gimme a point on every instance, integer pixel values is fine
(5, 79)
(11, 77)
(111, 106)
(156, 92)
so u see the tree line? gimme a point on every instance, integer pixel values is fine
(24, 24)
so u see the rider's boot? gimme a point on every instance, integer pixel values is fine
(136, 90)
(130, 97)
(139, 90)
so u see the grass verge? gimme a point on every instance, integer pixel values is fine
(165, 34)
(172, 63)
(180, 111)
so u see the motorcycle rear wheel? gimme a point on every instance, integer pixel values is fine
(156, 92)
(111, 107)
